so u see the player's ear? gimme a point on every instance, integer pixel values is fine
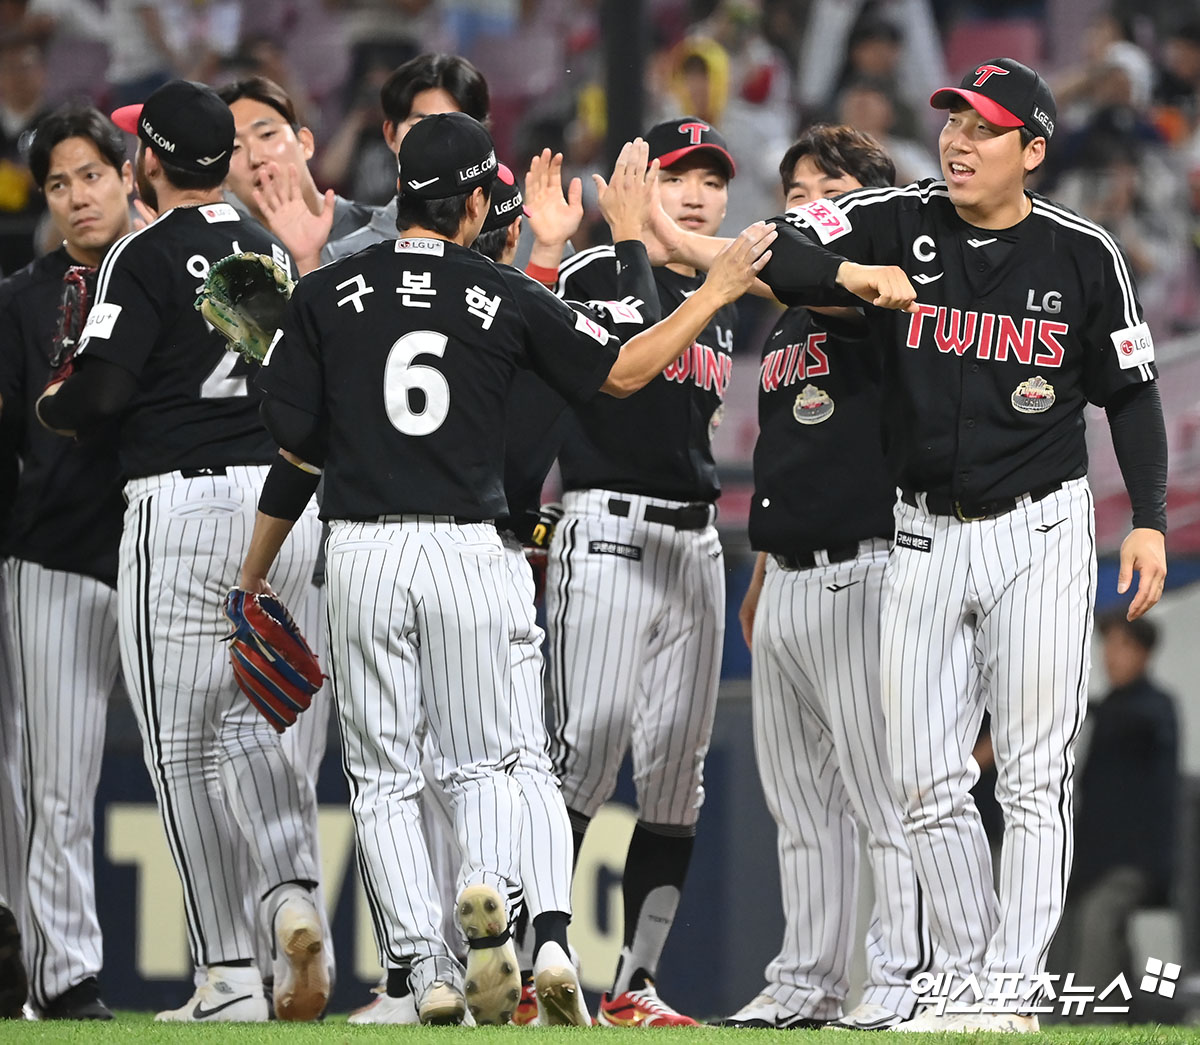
(390, 135)
(514, 234)
(127, 177)
(307, 143)
(1034, 154)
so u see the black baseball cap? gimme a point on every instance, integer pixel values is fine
(507, 201)
(186, 123)
(672, 140)
(1006, 93)
(446, 154)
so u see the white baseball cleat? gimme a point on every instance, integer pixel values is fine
(227, 995)
(493, 979)
(442, 1002)
(930, 1022)
(559, 995)
(867, 1017)
(386, 1009)
(763, 1011)
(303, 988)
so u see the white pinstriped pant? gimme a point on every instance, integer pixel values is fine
(997, 614)
(821, 753)
(636, 659)
(12, 817)
(63, 629)
(227, 795)
(547, 848)
(420, 637)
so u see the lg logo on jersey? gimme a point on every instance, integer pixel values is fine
(1051, 302)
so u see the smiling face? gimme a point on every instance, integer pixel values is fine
(87, 197)
(261, 136)
(985, 166)
(694, 193)
(809, 182)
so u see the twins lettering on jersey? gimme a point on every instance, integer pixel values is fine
(706, 367)
(988, 335)
(796, 362)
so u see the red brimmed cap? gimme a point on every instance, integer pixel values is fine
(672, 140)
(1006, 93)
(185, 123)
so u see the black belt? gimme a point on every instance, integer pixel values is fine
(201, 473)
(971, 511)
(688, 517)
(807, 560)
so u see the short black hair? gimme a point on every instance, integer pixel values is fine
(261, 89)
(1144, 632)
(74, 120)
(839, 149)
(442, 216)
(491, 244)
(189, 181)
(452, 73)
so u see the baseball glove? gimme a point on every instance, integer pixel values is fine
(272, 663)
(78, 285)
(243, 297)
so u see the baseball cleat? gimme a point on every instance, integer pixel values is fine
(227, 995)
(559, 995)
(763, 1011)
(867, 1017)
(79, 1002)
(1004, 1022)
(386, 1009)
(930, 1022)
(441, 1004)
(303, 989)
(14, 984)
(527, 1007)
(493, 978)
(642, 1008)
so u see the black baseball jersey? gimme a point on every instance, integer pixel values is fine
(820, 479)
(405, 351)
(194, 407)
(67, 508)
(658, 442)
(984, 386)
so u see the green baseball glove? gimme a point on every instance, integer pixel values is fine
(243, 297)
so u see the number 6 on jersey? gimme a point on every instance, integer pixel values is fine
(401, 377)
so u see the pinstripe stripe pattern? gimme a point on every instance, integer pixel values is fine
(821, 750)
(419, 636)
(12, 820)
(218, 769)
(996, 616)
(64, 636)
(637, 651)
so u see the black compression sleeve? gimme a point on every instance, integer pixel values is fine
(287, 490)
(635, 278)
(295, 430)
(97, 391)
(1139, 438)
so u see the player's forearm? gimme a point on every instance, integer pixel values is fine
(265, 542)
(289, 486)
(96, 393)
(645, 356)
(1139, 437)
(635, 278)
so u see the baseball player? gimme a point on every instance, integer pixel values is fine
(61, 575)
(419, 611)
(635, 591)
(1026, 312)
(195, 454)
(811, 618)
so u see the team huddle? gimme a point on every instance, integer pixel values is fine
(380, 473)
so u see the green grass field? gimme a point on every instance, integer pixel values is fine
(136, 1026)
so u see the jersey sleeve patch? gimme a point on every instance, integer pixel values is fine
(824, 217)
(618, 311)
(215, 212)
(1134, 346)
(101, 320)
(593, 329)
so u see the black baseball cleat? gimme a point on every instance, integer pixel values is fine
(764, 1012)
(81, 1002)
(14, 984)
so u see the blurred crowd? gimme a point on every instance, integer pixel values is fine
(1127, 152)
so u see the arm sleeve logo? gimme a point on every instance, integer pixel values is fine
(1134, 346)
(824, 217)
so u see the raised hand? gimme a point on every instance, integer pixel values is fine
(735, 269)
(280, 199)
(626, 200)
(553, 216)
